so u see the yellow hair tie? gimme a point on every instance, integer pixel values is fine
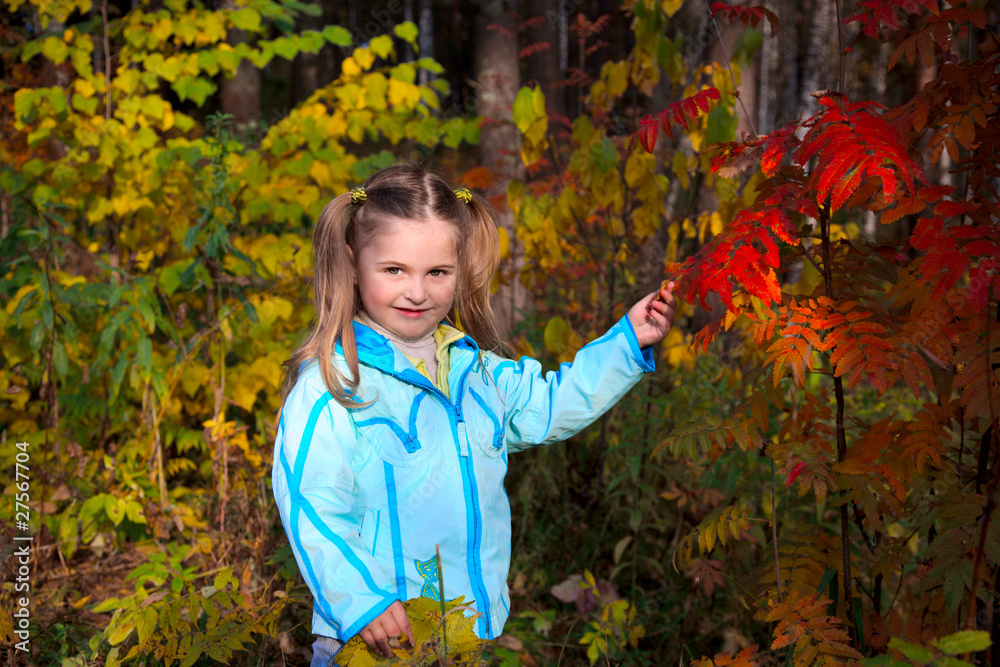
(464, 195)
(358, 195)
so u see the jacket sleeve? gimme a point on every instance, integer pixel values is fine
(541, 409)
(313, 484)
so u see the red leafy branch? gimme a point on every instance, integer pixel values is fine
(853, 146)
(745, 254)
(878, 14)
(682, 113)
(748, 16)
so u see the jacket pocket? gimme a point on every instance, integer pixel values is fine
(369, 529)
(395, 430)
(489, 430)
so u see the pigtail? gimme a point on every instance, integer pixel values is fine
(482, 259)
(333, 296)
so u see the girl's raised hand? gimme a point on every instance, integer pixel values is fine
(651, 317)
(389, 624)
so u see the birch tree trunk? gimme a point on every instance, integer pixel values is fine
(821, 68)
(497, 81)
(425, 39)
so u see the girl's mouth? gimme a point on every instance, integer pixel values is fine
(406, 312)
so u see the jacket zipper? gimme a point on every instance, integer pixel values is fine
(421, 381)
(477, 525)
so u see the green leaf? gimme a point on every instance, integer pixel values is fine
(134, 512)
(381, 46)
(118, 373)
(721, 125)
(948, 661)
(967, 641)
(430, 65)
(59, 360)
(286, 47)
(144, 355)
(406, 30)
(524, 114)
(311, 41)
(911, 651)
(194, 88)
(108, 605)
(87, 105)
(246, 19)
(114, 508)
(604, 155)
(337, 35)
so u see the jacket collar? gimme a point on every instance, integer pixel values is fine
(375, 350)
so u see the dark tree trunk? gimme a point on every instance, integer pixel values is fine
(543, 66)
(240, 96)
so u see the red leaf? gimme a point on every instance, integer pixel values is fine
(748, 16)
(647, 133)
(794, 474)
(686, 110)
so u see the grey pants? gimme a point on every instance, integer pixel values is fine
(324, 650)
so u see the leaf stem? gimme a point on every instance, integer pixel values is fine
(444, 623)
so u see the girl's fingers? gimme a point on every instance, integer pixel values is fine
(403, 622)
(369, 640)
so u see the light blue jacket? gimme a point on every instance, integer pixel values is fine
(365, 494)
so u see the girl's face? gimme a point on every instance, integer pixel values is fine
(407, 276)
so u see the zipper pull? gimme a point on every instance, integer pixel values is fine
(463, 439)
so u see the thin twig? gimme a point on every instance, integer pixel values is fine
(725, 54)
(774, 535)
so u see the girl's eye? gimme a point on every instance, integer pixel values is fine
(437, 272)
(393, 270)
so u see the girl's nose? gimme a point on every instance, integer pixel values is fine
(416, 292)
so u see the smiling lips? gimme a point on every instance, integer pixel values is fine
(406, 312)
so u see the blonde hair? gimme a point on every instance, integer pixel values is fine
(402, 192)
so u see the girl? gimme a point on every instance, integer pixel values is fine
(395, 426)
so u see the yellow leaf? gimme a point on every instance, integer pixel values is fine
(365, 58)
(350, 68)
(13, 303)
(504, 243)
(403, 94)
(671, 7)
(162, 29)
(143, 259)
(85, 87)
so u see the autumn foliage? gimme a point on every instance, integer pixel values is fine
(919, 315)
(813, 468)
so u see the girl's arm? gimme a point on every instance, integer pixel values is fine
(547, 407)
(313, 485)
